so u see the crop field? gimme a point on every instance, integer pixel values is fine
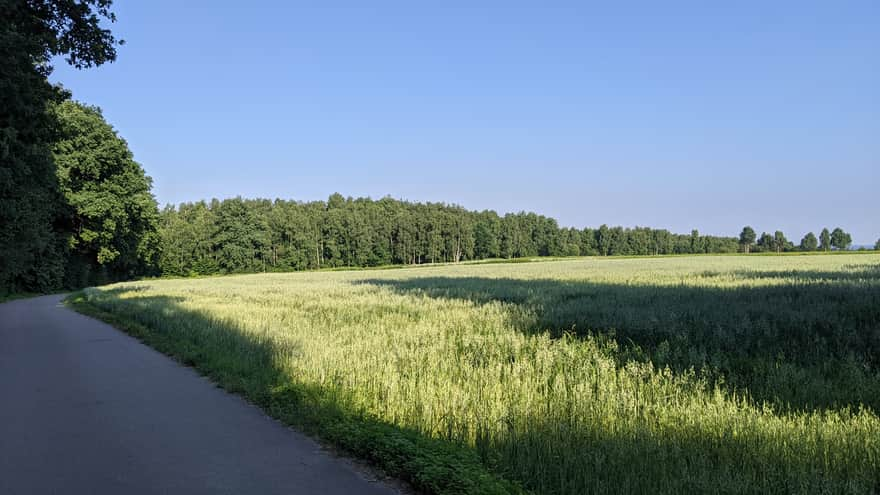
(723, 374)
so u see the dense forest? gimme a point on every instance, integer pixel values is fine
(243, 235)
(77, 210)
(249, 235)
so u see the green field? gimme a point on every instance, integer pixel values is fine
(712, 374)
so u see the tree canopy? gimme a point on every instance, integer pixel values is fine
(242, 235)
(825, 240)
(766, 243)
(248, 235)
(112, 216)
(809, 242)
(35, 213)
(840, 239)
(747, 238)
(780, 243)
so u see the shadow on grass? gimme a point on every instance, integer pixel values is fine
(246, 364)
(796, 346)
(599, 459)
(852, 273)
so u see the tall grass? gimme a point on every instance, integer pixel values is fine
(711, 374)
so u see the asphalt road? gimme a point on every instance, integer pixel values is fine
(86, 409)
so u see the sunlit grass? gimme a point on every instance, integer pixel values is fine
(595, 375)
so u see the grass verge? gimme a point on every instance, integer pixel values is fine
(428, 465)
(17, 295)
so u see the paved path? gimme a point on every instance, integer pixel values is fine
(86, 409)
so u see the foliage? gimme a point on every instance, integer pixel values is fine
(780, 243)
(747, 238)
(766, 242)
(258, 235)
(113, 216)
(840, 239)
(825, 240)
(242, 235)
(661, 375)
(809, 242)
(13, 296)
(32, 251)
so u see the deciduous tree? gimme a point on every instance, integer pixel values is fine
(809, 242)
(112, 217)
(824, 240)
(840, 239)
(779, 241)
(747, 238)
(32, 250)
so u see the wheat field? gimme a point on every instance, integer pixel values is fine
(723, 374)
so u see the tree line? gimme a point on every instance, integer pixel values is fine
(245, 235)
(251, 235)
(75, 208)
(836, 239)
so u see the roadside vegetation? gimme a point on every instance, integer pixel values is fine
(11, 297)
(604, 375)
(75, 208)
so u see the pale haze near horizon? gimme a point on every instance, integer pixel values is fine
(678, 116)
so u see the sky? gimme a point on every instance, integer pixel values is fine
(679, 115)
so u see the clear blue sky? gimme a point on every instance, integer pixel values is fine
(681, 115)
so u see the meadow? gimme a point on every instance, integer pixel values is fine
(723, 374)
